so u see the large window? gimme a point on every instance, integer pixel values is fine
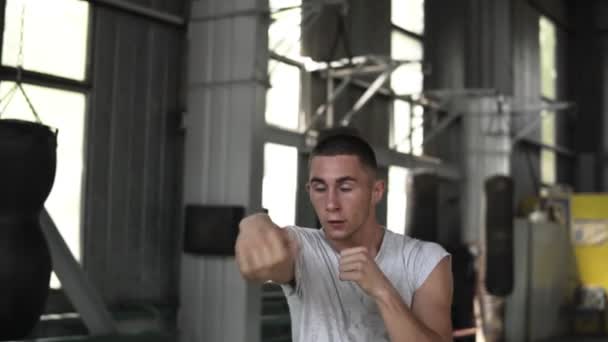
(408, 15)
(50, 37)
(283, 97)
(283, 110)
(548, 76)
(54, 36)
(407, 18)
(397, 199)
(280, 183)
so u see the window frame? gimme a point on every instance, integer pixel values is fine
(393, 144)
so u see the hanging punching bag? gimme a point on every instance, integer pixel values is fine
(499, 235)
(27, 173)
(424, 224)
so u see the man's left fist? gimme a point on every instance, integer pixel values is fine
(357, 265)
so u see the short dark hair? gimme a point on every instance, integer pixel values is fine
(343, 142)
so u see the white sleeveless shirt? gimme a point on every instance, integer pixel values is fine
(324, 308)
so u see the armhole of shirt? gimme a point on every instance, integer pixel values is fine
(429, 254)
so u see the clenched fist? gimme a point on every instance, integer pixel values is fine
(356, 264)
(264, 251)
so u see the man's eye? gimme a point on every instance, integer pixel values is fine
(319, 188)
(345, 188)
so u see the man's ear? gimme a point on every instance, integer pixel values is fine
(378, 190)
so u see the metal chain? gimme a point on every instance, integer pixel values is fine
(21, 33)
(19, 67)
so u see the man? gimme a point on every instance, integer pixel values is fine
(352, 280)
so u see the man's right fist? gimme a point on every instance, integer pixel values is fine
(264, 251)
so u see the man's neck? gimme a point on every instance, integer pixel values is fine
(370, 237)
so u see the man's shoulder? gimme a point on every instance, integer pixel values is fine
(303, 230)
(415, 251)
(304, 234)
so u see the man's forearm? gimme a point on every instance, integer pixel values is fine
(399, 320)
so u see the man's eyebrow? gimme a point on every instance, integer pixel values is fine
(339, 180)
(317, 180)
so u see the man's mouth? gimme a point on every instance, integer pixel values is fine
(336, 223)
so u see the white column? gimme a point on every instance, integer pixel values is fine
(487, 152)
(226, 88)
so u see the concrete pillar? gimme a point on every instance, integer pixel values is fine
(226, 87)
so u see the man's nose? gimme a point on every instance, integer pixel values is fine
(333, 202)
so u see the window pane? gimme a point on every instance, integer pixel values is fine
(54, 36)
(397, 199)
(277, 4)
(283, 96)
(417, 130)
(407, 128)
(284, 31)
(548, 72)
(548, 75)
(547, 157)
(65, 111)
(405, 47)
(280, 183)
(401, 126)
(408, 14)
(407, 79)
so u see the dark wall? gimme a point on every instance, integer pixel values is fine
(444, 49)
(134, 147)
(588, 77)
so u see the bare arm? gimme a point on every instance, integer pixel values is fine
(430, 316)
(264, 251)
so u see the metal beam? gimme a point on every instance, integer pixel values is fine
(561, 150)
(441, 126)
(82, 294)
(322, 109)
(367, 95)
(387, 157)
(283, 137)
(142, 12)
(531, 126)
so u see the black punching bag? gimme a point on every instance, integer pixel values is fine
(424, 194)
(499, 235)
(27, 173)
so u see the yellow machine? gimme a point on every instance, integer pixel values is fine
(589, 236)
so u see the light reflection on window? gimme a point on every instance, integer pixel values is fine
(548, 76)
(54, 36)
(284, 31)
(279, 185)
(283, 96)
(408, 15)
(407, 128)
(397, 199)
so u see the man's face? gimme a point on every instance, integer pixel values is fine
(344, 194)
